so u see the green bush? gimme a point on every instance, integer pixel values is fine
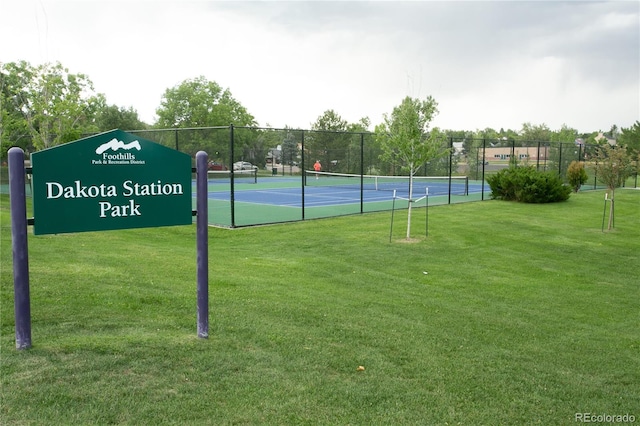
(528, 185)
(577, 175)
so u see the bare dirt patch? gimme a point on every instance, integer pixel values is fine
(409, 241)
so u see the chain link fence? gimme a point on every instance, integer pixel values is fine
(281, 158)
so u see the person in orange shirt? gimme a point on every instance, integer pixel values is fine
(317, 167)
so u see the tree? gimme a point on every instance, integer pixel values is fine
(565, 134)
(250, 144)
(444, 164)
(564, 150)
(361, 126)
(614, 132)
(198, 103)
(474, 149)
(405, 138)
(630, 137)
(329, 142)
(356, 161)
(290, 152)
(488, 134)
(531, 132)
(576, 175)
(201, 103)
(55, 106)
(13, 126)
(330, 120)
(109, 117)
(612, 167)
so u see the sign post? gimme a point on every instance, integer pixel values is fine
(22, 301)
(202, 244)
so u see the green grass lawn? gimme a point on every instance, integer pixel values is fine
(505, 314)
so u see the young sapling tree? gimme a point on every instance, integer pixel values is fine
(405, 139)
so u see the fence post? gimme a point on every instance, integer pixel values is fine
(450, 165)
(304, 172)
(478, 161)
(512, 159)
(579, 152)
(361, 172)
(560, 159)
(231, 179)
(484, 153)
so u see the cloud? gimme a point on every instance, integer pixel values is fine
(488, 64)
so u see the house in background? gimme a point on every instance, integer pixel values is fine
(602, 137)
(521, 153)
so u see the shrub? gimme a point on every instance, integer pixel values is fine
(577, 175)
(528, 185)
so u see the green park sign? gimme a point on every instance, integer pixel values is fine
(114, 180)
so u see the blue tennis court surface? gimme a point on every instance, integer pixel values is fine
(292, 197)
(267, 192)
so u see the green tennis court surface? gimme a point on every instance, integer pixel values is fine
(287, 198)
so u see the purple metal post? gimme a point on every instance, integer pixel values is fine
(22, 304)
(202, 243)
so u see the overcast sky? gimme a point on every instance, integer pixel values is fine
(488, 64)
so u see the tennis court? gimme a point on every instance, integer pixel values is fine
(254, 199)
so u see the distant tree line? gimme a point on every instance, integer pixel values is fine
(47, 105)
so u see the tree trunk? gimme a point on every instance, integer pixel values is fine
(410, 203)
(611, 209)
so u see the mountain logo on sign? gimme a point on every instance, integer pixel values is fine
(115, 145)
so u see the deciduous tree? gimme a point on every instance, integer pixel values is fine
(199, 102)
(53, 105)
(329, 142)
(13, 126)
(564, 150)
(612, 167)
(535, 132)
(405, 138)
(109, 117)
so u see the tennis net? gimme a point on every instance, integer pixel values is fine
(240, 176)
(458, 185)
